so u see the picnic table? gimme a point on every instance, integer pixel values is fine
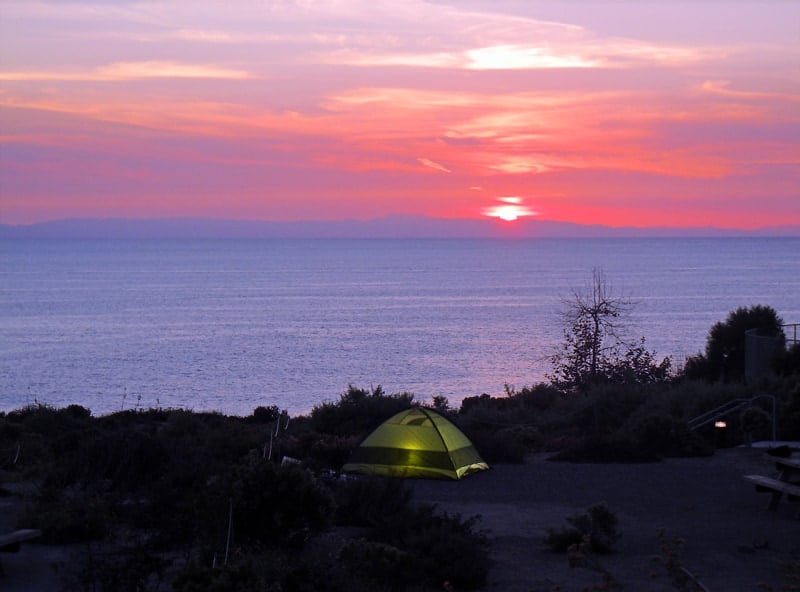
(789, 468)
(10, 542)
(787, 482)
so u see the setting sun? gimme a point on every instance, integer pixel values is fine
(512, 209)
(508, 213)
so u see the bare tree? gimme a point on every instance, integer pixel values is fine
(594, 350)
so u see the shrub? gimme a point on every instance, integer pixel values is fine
(504, 445)
(117, 567)
(539, 397)
(530, 437)
(430, 547)
(243, 575)
(272, 504)
(371, 501)
(755, 422)
(308, 576)
(486, 402)
(380, 563)
(358, 411)
(78, 412)
(561, 539)
(128, 460)
(321, 451)
(661, 436)
(597, 526)
(787, 362)
(70, 517)
(263, 414)
(442, 547)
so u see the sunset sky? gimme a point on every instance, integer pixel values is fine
(644, 113)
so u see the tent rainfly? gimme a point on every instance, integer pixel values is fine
(417, 443)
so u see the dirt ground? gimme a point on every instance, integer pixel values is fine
(732, 543)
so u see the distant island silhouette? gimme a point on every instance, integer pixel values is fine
(396, 226)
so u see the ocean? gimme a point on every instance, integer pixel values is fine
(229, 325)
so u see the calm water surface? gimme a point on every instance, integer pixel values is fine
(232, 324)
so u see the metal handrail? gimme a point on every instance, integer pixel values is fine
(730, 407)
(714, 414)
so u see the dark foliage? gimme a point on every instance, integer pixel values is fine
(321, 451)
(265, 415)
(358, 411)
(724, 357)
(73, 516)
(140, 488)
(416, 544)
(504, 445)
(246, 574)
(129, 566)
(379, 562)
(371, 501)
(787, 362)
(443, 548)
(272, 504)
(661, 435)
(597, 526)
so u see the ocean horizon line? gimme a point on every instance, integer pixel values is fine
(393, 226)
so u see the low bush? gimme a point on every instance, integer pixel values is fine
(371, 501)
(539, 397)
(118, 567)
(663, 436)
(379, 563)
(327, 576)
(246, 574)
(597, 527)
(271, 504)
(320, 451)
(755, 423)
(505, 445)
(442, 547)
(427, 546)
(264, 415)
(358, 411)
(70, 516)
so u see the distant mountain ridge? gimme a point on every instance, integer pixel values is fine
(397, 226)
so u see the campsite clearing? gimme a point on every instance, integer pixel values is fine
(730, 541)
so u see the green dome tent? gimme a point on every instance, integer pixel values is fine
(418, 443)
